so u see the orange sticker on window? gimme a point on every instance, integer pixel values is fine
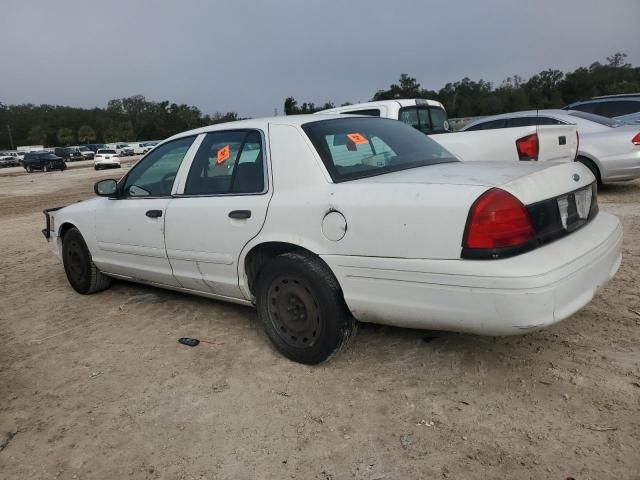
(222, 155)
(357, 138)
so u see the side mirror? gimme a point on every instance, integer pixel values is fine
(106, 188)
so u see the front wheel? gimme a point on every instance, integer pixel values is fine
(46, 167)
(302, 310)
(81, 272)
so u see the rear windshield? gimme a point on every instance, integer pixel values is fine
(364, 147)
(608, 122)
(107, 151)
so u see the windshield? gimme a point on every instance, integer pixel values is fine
(364, 147)
(608, 122)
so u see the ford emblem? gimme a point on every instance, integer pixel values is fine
(576, 177)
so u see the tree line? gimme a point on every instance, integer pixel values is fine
(136, 118)
(126, 119)
(547, 89)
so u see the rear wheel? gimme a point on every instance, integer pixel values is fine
(593, 167)
(29, 169)
(302, 310)
(81, 272)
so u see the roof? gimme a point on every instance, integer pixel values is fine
(524, 113)
(619, 95)
(263, 123)
(401, 102)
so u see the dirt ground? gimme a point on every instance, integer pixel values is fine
(98, 387)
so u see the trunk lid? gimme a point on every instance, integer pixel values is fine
(557, 143)
(528, 181)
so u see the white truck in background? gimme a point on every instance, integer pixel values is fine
(538, 143)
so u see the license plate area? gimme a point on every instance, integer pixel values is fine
(574, 208)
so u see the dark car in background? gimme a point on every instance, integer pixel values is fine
(611, 106)
(45, 161)
(68, 154)
(94, 147)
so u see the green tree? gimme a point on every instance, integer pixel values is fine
(37, 136)
(65, 136)
(86, 134)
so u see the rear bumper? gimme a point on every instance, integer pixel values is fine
(107, 163)
(489, 297)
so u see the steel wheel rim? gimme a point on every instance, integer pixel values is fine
(76, 262)
(294, 312)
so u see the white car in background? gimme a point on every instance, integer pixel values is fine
(139, 148)
(87, 153)
(527, 142)
(322, 220)
(610, 148)
(106, 158)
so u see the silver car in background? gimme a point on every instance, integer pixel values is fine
(609, 147)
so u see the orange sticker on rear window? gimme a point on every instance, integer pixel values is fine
(222, 155)
(357, 138)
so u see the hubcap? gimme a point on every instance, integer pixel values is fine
(293, 311)
(76, 263)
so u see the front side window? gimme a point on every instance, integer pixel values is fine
(617, 108)
(363, 147)
(154, 175)
(227, 162)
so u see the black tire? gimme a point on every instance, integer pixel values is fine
(46, 167)
(593, 167)
(29, 169)
(63, 167)
(302, 309)
(95, 167)
(81, 272)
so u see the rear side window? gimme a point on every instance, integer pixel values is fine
(617, 108)
(426, 119)
(490, 125)
(227, 162)
(364, 147)
(372, 112)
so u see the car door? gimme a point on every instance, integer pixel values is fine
(130, 228)
(222, 205)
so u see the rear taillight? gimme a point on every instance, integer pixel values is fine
(528, 147)
(636, 140)
(497, 220)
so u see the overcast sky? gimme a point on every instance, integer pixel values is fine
(247, 56)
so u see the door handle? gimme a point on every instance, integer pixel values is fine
(240, 214)
(154, 213)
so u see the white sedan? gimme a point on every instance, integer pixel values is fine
(322, 221)
(609, 147)
(106, 158)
